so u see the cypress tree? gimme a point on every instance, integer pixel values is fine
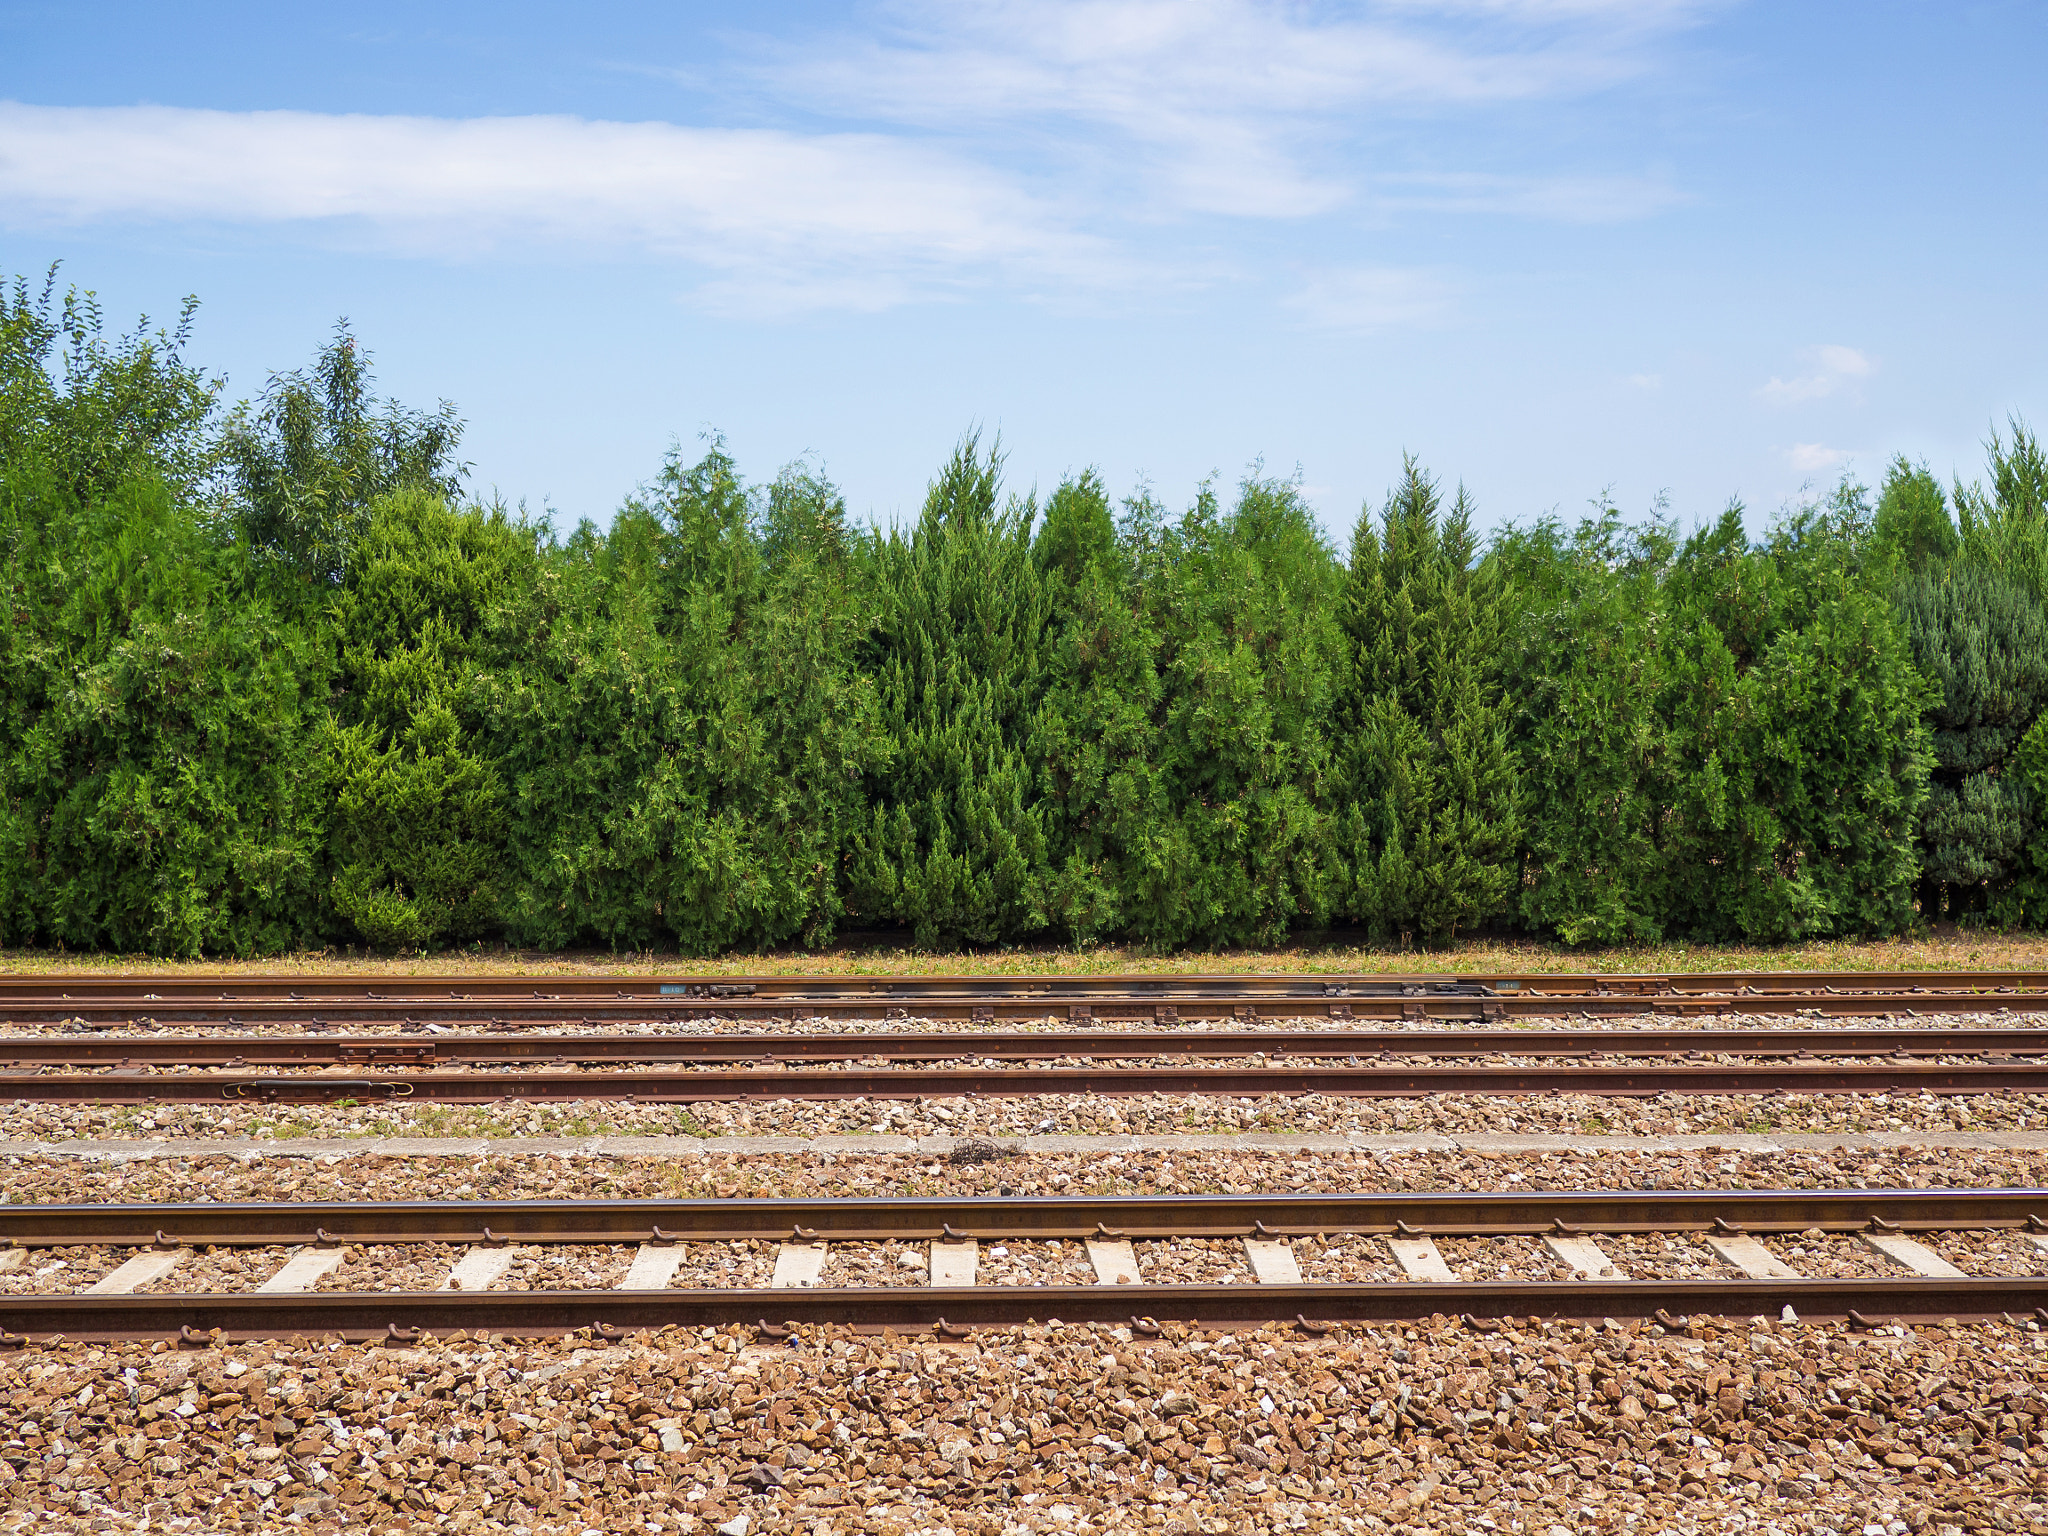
(679, 716)
(1583, 671)
(955, 846)
(155, 709)
(1913, 525)
(155, 719)
(1237, 844)
(418, 827)
(1435, 822)
(1795, 761)
(1981, 637)
(1094, 737)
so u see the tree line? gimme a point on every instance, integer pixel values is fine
(272, 680)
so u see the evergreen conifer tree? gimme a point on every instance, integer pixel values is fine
(955, 843)
(1236, 844)
(1095, 734)
(1435, 824)
(1583, 671)
(418, 826)
(679, 716)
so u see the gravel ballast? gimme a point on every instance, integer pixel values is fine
(1514, 1429)
(1785, 1427)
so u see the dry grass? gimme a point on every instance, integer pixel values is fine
(1956, 951)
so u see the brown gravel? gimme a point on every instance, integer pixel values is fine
(1501, 1258)
(59, 1180)
(1346, 1258)
(1034, 1264)
(886, 1264)
(1987, 1253)
(1794, 1427)
(739, 1266)
(1192, 1261)
(60, 1270)
(592, 1267)
(399, 1267)
(1062, 1114)
(214, 1269)
(1660, 1256)
(1832, 1256)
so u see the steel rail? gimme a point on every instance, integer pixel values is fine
(712, 1084)
(1023, 1218)
(404, 1317)
(218, 988)
(328, 1014)
(992, 1006)
(1038, 1045)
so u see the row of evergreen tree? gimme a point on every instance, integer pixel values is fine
(271, 681)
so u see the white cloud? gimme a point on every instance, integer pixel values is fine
(1834, 368)
(1648, 383)
(1372, 299)
(1225, 106)
(1034, 143)
(1816, 458)
(1564, 199)
(777, 214)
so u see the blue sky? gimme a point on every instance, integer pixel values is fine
(1553, 247)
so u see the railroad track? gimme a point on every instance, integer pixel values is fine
(1755, 1239)
(256, 1041)
(441, 1048)
(696, 1085)
(219, 1002)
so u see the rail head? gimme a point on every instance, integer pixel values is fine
(922, 1218)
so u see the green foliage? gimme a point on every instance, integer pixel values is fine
(2006, 528)
(418, 823)
(155, 729)
(1183, 742)
(309, 464)
(1435, 826)
(954, 845)
(1584, 669)
(678, 718)
(1794, 759)
(1094, 735)
(1981, 640)
(84, 414)
(267, 681)
(1913, 525)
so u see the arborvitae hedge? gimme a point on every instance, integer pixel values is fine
(270, 681)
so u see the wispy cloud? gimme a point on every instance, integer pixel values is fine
(1832, 369)
(1816, 458)
(783, 217)
(1372, 299)
(1564, 199)
(939, 146)
(1226, 106)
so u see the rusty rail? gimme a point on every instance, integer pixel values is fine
(403, 1316)
(527, 1049)
(711, 1085)
(1041, 1218)
(239, 1002)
